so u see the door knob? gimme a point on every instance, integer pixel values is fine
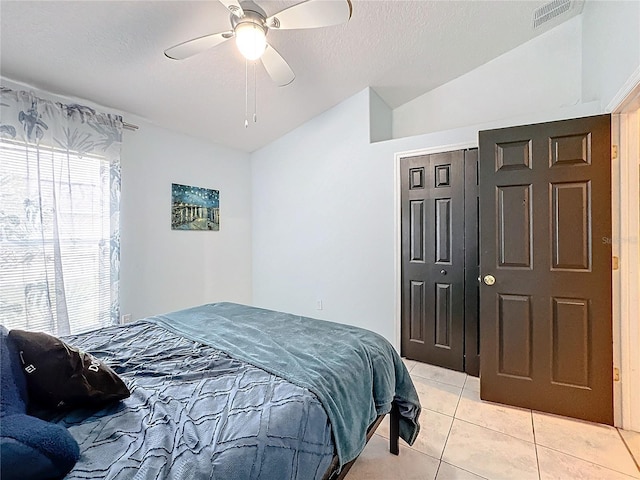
(489, 280)
(443, 271)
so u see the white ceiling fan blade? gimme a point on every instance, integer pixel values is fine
(233, 6)
(277, 67)
(312, 14)
(197, 45)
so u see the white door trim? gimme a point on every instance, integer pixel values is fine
(626, 94)
(626, 242)
(397, 221)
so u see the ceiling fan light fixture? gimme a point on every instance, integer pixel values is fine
(251, 40)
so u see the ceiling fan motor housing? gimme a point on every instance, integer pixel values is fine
(252, 14)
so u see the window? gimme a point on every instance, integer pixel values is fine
(54, 233)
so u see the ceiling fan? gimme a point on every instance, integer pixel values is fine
(250, 26)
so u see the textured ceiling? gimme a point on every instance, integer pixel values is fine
(111, 52)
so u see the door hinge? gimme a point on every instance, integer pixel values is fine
(616, 374)
(615, 264)
(614, 152)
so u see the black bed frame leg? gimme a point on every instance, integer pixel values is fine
(394, 429)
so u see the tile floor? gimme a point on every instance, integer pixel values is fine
(464, 438)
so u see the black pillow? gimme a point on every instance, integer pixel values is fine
(59, 375)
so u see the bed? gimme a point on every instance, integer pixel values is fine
(227, 391)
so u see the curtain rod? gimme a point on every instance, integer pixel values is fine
(129, 126)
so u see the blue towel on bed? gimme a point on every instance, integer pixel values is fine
(355, 373)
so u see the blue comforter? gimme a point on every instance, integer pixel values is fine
(355, 373)
(194, 413)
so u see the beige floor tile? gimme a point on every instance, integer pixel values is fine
(409, 363)
(472, 383)
(489, 453)
(599, 444)
(502, 418)
(376, 463)
(437, 396)
(434, 429)
(449, 472)
(632, 439)
(383, 428)
(439, 374)
(555, 465)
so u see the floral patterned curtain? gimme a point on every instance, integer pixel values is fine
(59, 214)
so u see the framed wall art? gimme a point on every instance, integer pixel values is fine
(194, 208)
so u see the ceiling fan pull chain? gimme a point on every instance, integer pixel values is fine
(246, 93)
(255, 94)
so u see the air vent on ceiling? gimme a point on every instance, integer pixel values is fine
(554, 9)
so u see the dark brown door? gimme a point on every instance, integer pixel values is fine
(433, 259)
(545, 210)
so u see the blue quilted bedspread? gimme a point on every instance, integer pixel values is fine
(194, 413)
(355, 373)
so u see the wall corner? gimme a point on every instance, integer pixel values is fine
(380, 118)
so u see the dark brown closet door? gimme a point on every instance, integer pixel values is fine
(545, 215)
(433, 259)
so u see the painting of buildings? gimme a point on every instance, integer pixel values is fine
(194, 208)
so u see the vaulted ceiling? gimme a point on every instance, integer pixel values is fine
(111, 53)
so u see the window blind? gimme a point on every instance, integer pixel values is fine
(54, 239)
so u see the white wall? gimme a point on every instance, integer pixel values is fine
(611, 47)
(318, 220)
(540, 75)
(164, 270)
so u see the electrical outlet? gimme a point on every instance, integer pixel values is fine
(318, 304)
(126, 318)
